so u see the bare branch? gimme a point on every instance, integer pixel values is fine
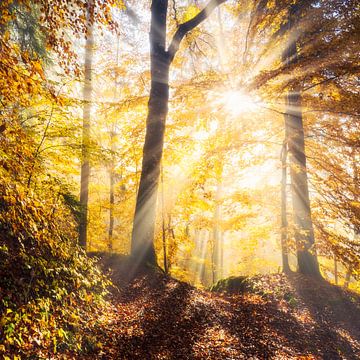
(187, 26)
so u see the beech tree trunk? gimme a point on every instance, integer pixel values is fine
(85, 163)
(142, 241)
(284, 222)
(113, 137)
(163, 222)
(111, 190)
(216, 249)
(304, 233)
(204, 258)
(142, 244)
(356, 199)
(221, 271)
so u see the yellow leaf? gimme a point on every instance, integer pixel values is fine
(37, 66)
(190, 13)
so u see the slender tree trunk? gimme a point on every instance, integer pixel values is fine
(196, 254)
(304, 233)
(355, 199)
(111, 191)
(85, 163)
(347, 278)
(221, 272)
(200, 254)
(213, 261)
(336, 270)
(216, 237)
(112, 165)
(204, 258)
(163, 222)
(284, 222)
(171, 243)
(357, 190)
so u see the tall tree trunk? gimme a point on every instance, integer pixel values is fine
(163, 222)
(85, 163)
(215, 259)
(201, 254)
(112, 164)
(204, 258)
(221, 272)
(194, 268)
(284, 222)
(111, 191)
(142, 241)
(171, 245)
(304, 233)
(356, 182)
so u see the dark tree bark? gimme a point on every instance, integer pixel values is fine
(85, 163)
(304, 233)
(294, 129)
(142, 242)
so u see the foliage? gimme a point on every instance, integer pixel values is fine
(50, 290)
(51, 293)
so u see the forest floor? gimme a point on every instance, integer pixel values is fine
(286, 317)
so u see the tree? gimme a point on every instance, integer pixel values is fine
(142, 243)
(85, 161)
(112, 174)
(294, 129)
(284, 222)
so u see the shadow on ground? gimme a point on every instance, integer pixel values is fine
(157, 317)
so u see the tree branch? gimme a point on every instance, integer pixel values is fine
(187, 26)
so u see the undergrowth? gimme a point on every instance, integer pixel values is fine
(51, 293)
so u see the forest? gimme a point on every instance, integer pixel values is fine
(179, 179)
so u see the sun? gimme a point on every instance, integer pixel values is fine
(236, 102)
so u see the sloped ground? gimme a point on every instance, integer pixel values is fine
(156, 317)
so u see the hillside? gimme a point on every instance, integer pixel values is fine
(284, 317)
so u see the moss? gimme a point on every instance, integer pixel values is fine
(233, 284)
